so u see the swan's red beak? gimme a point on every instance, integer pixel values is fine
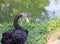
(27, 19)
(25, 16)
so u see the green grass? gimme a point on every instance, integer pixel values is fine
(37, 32)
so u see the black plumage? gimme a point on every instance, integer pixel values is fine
(16, 36)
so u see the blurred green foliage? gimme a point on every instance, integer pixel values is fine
(38, 33)
(9, 8)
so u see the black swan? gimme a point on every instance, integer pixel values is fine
(18, 35)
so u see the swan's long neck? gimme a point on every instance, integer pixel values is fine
(16, 22)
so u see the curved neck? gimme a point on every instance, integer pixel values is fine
(16, 22)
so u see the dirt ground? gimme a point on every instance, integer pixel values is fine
(54, 37)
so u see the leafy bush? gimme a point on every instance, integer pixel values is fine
(9, 8)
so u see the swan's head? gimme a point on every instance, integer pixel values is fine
(25, 16)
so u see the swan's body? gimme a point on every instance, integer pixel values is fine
(16, 36)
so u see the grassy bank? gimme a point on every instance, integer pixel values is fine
(37, 32)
